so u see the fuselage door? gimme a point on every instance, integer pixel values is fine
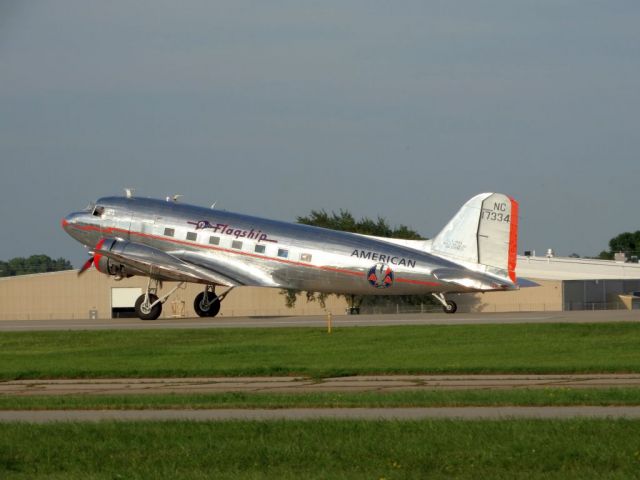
(142, 227)
(116, 223)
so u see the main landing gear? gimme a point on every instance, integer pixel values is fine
(449, 306)
(149, 305)
(207, 303)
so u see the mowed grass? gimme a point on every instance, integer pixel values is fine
(429, 398)
(528, 348)
(322, 449)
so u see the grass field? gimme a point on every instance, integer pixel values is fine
(431, 398)
(529, 348)
(322, 449)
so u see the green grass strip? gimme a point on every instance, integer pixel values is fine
(428, 398)
(528, 348)
(531, 449)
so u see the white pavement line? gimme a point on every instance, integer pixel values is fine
(459, 413)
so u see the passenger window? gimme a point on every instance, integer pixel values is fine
(214, 240)
(192, 236)
(283, 253)
(261, 248)
(169, 232)
(305, 257)
(237, 244)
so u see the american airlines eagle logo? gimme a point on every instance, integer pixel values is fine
(380, 276)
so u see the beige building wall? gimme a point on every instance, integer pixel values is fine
(545, 298)
(64, 295)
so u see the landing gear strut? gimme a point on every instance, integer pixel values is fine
(449, 306)
(149, 306)
(207, 303)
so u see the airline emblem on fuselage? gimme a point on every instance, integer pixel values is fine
(380, 276)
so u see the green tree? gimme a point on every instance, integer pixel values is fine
(33, 264)
(627, 242)
(346, 222)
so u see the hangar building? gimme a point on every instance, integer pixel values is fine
(564, 284)
(64, 295)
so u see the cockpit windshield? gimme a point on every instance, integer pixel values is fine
(98, 210)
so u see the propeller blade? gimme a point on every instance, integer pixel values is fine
(86, 266)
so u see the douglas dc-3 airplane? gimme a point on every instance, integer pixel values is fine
(170, 241)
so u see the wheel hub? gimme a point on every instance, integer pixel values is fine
(145, 308)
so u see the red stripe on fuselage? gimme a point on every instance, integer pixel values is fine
(246, 254)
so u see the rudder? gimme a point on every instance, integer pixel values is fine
(484, 231)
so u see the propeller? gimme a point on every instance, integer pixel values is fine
(87, 264)
(92, 258)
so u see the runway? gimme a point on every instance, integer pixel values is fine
(390, 383)
(339, 321)
(371, 414)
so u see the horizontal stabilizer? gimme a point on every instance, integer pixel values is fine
(526, 283)
(476, 281)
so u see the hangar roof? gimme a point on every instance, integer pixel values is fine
(563, 268)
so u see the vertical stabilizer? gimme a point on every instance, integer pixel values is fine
(484, 231)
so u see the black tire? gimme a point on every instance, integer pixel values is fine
(154, 313)
(211, 311)
(451, 307)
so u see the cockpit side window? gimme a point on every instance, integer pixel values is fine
(98, 211)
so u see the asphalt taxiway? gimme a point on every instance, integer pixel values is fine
(321, 321)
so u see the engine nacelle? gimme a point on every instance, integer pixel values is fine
(131, 259)
(107, 266)
(115, 268)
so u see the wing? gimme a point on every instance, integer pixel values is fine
(130, 258)
(243, 273)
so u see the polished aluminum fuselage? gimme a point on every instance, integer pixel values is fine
(264, 252)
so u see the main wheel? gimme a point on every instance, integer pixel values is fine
(204, 310)
(451, 307)
(144, 312)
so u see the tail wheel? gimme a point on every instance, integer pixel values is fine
(451, 307)
(145, 311)
(204, 309)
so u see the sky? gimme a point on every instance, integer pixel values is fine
(399, 109)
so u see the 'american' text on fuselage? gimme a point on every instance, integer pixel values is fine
(381, 257)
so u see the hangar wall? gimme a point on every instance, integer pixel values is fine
(597, 294)
(547, 297)
(64, 295)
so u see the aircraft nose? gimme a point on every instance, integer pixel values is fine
(69, 220)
